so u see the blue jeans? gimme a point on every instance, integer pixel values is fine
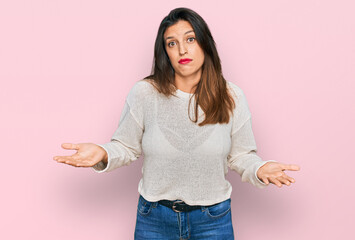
(155, 221)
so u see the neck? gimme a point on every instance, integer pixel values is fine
(186, 83)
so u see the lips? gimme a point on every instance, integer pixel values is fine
(185, 60)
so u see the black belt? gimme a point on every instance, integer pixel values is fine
(180, 206)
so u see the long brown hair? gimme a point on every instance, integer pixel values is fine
(211, 92)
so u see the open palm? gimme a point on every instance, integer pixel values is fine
(274, 172)
(87, 155)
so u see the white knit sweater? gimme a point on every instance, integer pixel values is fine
(182, 160)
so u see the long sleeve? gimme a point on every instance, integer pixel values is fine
(243, 156)
(126, 143)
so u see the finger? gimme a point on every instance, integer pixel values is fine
(292, 180)
(64, 158)
(276, 182)
(291, 167)
(71, 146)
(70, 160)
(74, 157)
(265, 180)
(74, 160)
(284, 181)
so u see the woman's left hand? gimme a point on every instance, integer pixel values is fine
(274, 172)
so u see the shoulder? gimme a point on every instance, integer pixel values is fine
(143, 85)
(141, 89)
(242, 106)
(235, 90)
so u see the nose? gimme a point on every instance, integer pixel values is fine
(182, 49)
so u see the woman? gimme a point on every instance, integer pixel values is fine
(183, 190)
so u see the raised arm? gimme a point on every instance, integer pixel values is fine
(243, 156)
(125, 145)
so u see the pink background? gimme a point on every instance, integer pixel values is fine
(67, 66)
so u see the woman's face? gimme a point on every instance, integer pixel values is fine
(180, 43)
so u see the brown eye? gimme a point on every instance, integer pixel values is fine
(169, 44)
(193, 39)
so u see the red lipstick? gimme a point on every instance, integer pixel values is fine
(185, 60)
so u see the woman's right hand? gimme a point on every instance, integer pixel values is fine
(87, 155)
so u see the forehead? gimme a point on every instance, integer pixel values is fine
(179, 28)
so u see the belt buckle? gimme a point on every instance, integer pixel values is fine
(173, 207)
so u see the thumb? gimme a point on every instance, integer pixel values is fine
(70, 146)
(291, 167)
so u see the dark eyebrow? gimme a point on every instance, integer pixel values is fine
(185, 34)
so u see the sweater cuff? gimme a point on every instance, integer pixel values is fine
(261, 183)
(101, 167)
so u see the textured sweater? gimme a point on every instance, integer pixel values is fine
(182, 160)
